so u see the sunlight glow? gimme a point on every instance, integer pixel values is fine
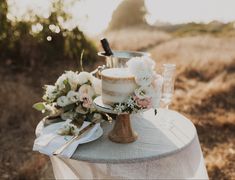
(93, 16)
(37, 28)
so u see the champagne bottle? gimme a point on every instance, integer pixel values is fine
(106, 47)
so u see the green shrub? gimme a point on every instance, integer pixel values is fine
(23, 48)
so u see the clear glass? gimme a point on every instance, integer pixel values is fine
(168, 73)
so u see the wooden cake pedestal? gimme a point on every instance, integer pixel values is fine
(122, 131)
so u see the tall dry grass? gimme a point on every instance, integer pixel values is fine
(18, 120)
(205, 87)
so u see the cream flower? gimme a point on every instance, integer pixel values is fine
(63, 101)
(86, 89)
(50, 93)
(84, 77)
(119, 108)
(73, 96)
(51, 108)
(72, 78)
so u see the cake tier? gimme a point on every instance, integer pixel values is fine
(117, 85)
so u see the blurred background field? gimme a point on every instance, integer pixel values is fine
(35, 50)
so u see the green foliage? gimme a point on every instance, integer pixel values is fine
(39, 106)
(128, 13)
(69, 107)
(67, 85)
(22, 47)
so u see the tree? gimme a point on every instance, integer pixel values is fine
(23, 48)
(128, 13)
(4, 25)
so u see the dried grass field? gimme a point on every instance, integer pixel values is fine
(204, 92)
(204, 87)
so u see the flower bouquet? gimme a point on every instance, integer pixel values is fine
(71, 99)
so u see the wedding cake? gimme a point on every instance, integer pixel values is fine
(117, 85)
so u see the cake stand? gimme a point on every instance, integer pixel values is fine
(122, 131)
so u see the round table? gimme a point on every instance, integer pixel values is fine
(167, 147)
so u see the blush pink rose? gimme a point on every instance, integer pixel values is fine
(86, 100)
(143, 103)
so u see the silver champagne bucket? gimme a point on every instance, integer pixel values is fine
(119, 58)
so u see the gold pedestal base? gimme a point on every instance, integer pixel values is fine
(122, 131)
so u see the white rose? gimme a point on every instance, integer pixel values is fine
(73, 96)
(150, 62)
(73, 79)
(133, 64)
(96, 84)
(60, 82)
(84, 77)
(63, 101)
(144, 78)
(137, 64)
(142, 69)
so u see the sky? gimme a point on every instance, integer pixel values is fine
(181, 11)
(93, 16)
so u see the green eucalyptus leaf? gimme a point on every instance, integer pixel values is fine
(67, 85)
(39, 106)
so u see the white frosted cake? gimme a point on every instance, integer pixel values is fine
(117, 85)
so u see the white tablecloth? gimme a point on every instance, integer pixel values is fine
(167, 147)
